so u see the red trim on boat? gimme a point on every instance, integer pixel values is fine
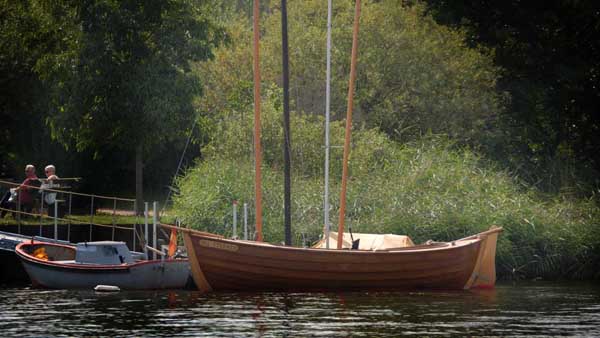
(79, 266)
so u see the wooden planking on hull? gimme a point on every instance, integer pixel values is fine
(223, 264)
(223, 280)
(335, 272)
(384, 263)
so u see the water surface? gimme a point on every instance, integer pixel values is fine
(510, 310)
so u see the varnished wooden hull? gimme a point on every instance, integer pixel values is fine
(223, 264)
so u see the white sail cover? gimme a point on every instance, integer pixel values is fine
(370, 242)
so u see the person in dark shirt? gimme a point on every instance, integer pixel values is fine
(24, 192)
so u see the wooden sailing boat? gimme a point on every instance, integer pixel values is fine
(223, 264)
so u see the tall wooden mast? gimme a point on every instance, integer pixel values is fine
(348, 124)
(257, 150)
(327, 105)
(286, 128)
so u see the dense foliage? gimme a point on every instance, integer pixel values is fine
(414, 76)
(467, 113)
(550, 54)
(429, 189)
(127, 85)
(26, 37)
(109, 79)
(416, 79)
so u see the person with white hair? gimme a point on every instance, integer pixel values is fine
(23, 191)
(50, 171)
(49, 183)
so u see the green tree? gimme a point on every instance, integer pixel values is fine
(419, 76)
(414, 75)
(550, 55)
(126, 84)
(28, 34)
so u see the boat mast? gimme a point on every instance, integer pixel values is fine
(286, 127)
(348, 124)
(257, 151)
(327, 104)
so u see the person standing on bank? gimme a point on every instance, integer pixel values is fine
(50, 196)
(50, 171)
(24, 191)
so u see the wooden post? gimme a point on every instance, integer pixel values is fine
(154, 228)
(91, 217)
(41, 211)
(234, 235)
(55, 219)
(245, 221)
(348, 124)
(69, 223)
(134, 224)
(114, 215)
(19, 209)
(145, 244)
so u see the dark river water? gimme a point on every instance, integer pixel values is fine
(530, 310)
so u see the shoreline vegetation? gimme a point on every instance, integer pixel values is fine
(430, 188)
(467, 115)
(434, 152)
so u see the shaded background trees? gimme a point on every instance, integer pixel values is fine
(515, 81)
(27, 36)
(128, 86)
(414, 76)
(114, 78)
(107, 78)
(549, 52)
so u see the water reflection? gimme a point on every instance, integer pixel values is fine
(525, 310)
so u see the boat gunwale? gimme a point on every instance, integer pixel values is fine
(83, 266)
(417, 248)
(448, 246)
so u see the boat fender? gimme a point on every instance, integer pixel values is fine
(121, 259)
(107, 288)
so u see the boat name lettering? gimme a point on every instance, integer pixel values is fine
(218, 245)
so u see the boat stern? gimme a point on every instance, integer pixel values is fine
(484, 273)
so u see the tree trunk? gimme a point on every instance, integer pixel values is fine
(139, 180)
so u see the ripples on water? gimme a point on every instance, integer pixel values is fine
(523, 310)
